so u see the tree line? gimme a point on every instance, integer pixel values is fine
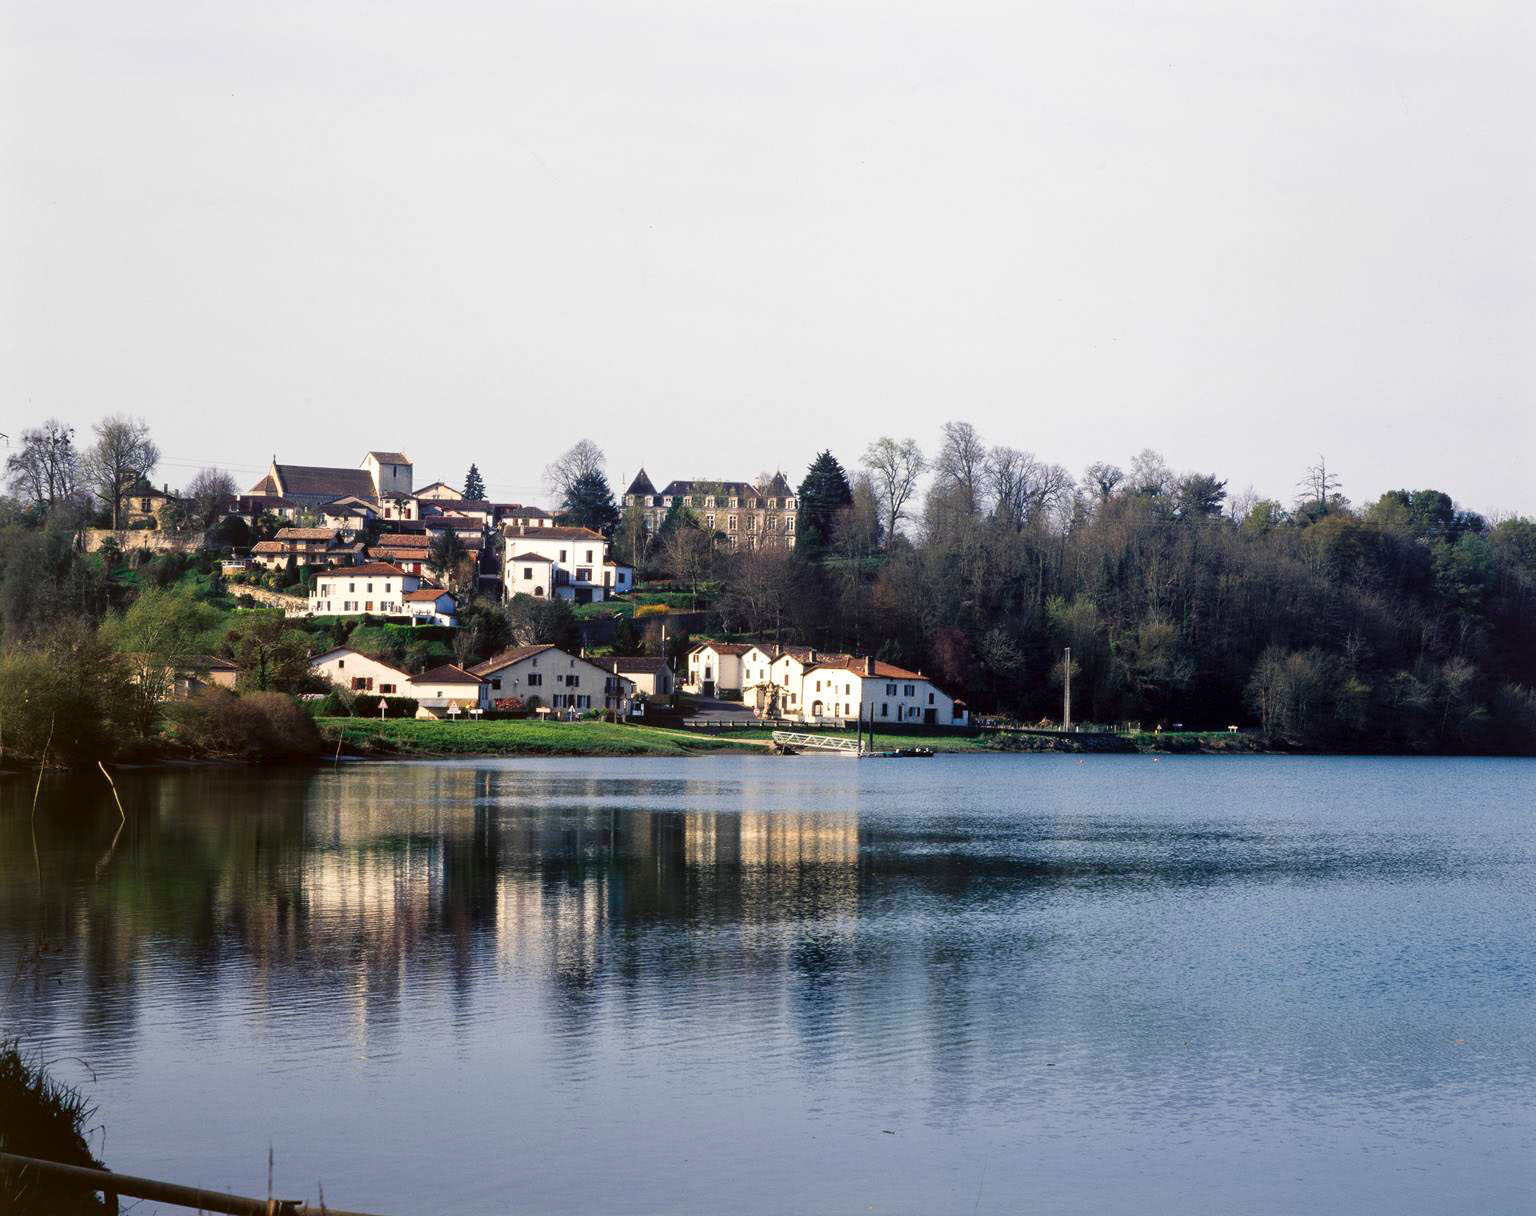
(1404, 624)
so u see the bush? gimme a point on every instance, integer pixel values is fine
(644, 610)
(256, 726)
(41, 1118)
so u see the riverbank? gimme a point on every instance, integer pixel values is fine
(529, 737)
(518, 737)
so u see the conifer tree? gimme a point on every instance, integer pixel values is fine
(824, 492)
(474, 484)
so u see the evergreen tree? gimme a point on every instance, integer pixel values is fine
(589, 503)
(823, 494)
(474, 484)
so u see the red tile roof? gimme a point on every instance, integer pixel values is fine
(507, 657)
(427, 593)
(448, 673)
(552, 533)
(369, 570)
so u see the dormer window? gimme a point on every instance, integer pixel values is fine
(734, 502)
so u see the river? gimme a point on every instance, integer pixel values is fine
(751, 984)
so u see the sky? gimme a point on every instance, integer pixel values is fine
(717, 237)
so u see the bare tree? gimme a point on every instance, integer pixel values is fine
(1105, 478)
(208, 496)
(1022, 487)
(894, 467)
(961, 465)
(1319, 486)
(1150, 474)
(47, 468)
(584, 459)
(688, 554)
(123, 454)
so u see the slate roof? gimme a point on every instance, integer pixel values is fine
(640, 485)
(747, 493)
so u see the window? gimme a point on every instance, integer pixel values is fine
(351, 586)
(733, 503)
(751, 522)
(930, 698)
(340, 663)
(528, 573)
(907, 690)
(496, 684)
(362, 683)
(789, 523)
(562, 554)
(885, 710)
(773, 504)
(709, 521)
(773, 522)
(890, 690)
(535, 680)
(589, 555)
(709, 500)
(687, 500)
(789, 504)
(370, 586)
(384, 688)
(732, 522)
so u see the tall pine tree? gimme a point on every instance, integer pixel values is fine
(824, 492)
(474, 484)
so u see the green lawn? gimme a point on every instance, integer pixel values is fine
(519, 737)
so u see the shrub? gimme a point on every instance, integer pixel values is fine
(39, 1117)
(644, 610)
(256, 726)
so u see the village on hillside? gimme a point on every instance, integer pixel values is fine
(345, 547)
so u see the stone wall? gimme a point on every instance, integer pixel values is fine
(130, 539)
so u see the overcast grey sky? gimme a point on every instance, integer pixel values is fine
(717, 236)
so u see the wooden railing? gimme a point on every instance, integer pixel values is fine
(113, 1185)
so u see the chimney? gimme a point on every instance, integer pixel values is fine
(811, 658)
(869, 665)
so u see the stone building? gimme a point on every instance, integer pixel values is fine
(748, 516)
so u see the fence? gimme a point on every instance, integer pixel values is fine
(114, 1185)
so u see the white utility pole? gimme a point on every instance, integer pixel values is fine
(1066, 700)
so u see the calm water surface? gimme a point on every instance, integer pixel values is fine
(745, 984)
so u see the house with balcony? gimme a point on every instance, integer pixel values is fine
(563, 563)
(380, 589)
(546, 677)
(835, 691)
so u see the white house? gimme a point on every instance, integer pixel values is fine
(836, 690)
(779, 695)
(438, 491)
(431, 606)
(546, 676)
(650, 676)
(715, 668)
(435, 691)
(381, 588)
(566, 563)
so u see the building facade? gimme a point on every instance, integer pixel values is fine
(748, 516)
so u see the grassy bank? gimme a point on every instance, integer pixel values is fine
(41, 1118)
(413, 737)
